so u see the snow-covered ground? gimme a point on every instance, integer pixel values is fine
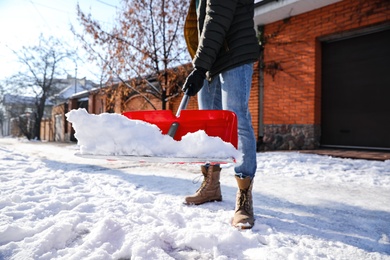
(54, 205)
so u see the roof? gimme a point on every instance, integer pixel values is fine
(269, 11)
(71, 89)
(9, 99)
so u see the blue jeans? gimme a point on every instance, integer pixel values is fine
(230, 90)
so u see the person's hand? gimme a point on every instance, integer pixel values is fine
(194, 81)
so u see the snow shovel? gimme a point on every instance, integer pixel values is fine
(215, 123)
(219, 123)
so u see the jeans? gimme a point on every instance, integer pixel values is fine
(230, 90)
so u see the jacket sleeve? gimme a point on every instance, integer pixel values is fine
(219, 15)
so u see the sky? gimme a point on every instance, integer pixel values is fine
(22, 21)
(56, 205)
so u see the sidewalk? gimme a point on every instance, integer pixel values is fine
(353, 154)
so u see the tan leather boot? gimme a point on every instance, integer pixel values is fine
(243, 216)
(210, 189)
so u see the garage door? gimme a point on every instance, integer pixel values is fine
(356, 91)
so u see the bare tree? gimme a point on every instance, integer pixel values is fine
(40, 67)
(146, 42)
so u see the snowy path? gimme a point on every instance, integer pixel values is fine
(54, 205)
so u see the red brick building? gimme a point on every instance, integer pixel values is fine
(326, 76)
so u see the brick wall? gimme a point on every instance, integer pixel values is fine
(292, 74)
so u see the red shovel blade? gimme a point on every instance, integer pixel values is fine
(219, 123)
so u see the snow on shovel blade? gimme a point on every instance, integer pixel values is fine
(219, 123)
(215, 123)
(198, 135)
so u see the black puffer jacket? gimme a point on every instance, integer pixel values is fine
(226, 34)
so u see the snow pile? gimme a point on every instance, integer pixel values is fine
(118, 135)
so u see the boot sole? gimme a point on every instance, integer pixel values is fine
(243, 226)
(203, 202)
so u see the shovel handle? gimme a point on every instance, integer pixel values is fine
(183, 104)
(175, 125)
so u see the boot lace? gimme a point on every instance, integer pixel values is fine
(197, 179)
(243, 201)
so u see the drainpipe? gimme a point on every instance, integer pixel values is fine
(260, 133)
